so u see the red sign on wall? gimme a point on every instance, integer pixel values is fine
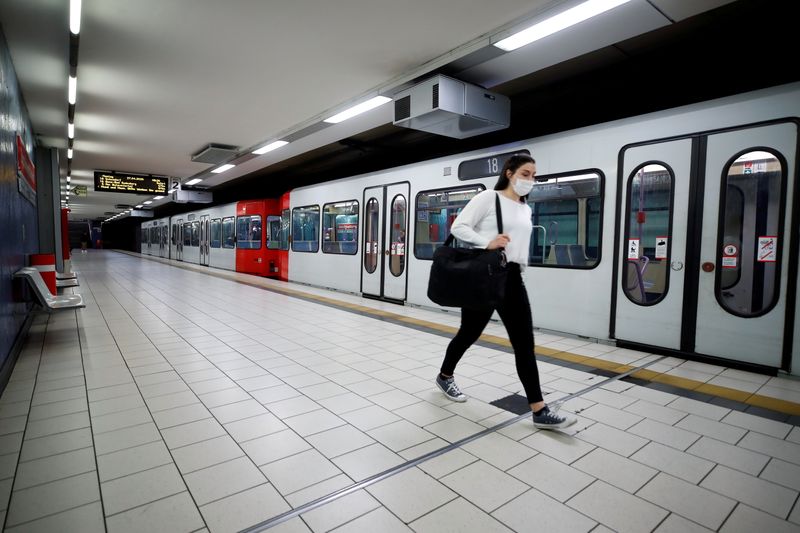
(25, 168)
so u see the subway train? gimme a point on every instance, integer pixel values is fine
(674, 232)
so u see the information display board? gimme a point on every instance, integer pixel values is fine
(485, 166)
(130, 183)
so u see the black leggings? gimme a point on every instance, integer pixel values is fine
(515, 311)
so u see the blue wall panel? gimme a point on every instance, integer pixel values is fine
(18, 219)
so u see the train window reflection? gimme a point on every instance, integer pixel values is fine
(285, 223)
(435, 212)
(216, 233)
(196, 233)
(228, 233)
(248, 232)
(647, 234)
(748, 242)
(305, 229)
(371, 253)
(273, 232)
(397, 236)
(566, 213)
(187, 234)
(340, 228)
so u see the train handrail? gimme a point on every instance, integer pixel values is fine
(544, 240)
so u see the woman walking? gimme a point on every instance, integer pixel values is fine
(476, 225)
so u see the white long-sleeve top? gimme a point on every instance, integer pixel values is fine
(476, 225)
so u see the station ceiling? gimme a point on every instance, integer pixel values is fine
(158, 81)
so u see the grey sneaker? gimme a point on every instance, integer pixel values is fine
(450, 389)
(548, 419)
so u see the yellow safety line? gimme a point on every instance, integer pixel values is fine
(774, 404)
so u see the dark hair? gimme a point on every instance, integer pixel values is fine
(512, 164)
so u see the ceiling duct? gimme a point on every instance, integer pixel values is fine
(449, 107)
(215, 153)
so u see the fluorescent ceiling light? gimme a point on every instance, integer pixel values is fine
(71, 130)
(270, 147)
(139, 206)
(358, 109)
(75, 16)
(157, 197)
(223, 168)
(554, 24)
(147, 202)
(69, 153)
(73, 89)
(192, 182)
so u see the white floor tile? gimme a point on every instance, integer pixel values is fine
(411, 494)
(53, 468)
(340, 511)
(534, 507)
(244, 509)
(755, 492)
(484, 485)
(43, 500)
(222, 480)
(365, 462)
(274, 446)
(675, 462)
(602, 502)
(86, 519)
(733, 456)
(299, 471)
(206, 453)
(378, 520)
(690, 501)
(174, 513)
(616, 470)
(55, 444)
(138, 489)
(745, 519)
(340, 440)
(257, 426)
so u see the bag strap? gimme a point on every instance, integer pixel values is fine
(451, 237)
(499, 213)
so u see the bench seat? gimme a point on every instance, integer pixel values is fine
(49, 302)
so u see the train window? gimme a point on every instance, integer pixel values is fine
(748, 261)
(274, 232)
(397, 236)
(305, 229)
(340, 228)
(566, 220)
(248, 232)
(216, 233)
(371, 253)
(228, 233)
(187, 234)
(435, 212)
(285, 223)
(144, 236)
(196, 233)
(164, 235)
(647, 234)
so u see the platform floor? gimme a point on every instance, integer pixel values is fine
(184, 401)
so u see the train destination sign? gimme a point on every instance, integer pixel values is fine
(485, 166)
(130, 183)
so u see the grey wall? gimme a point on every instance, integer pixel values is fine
(18, 217)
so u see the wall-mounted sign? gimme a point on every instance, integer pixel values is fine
(26, 172)
(79, 190)
(130, 183)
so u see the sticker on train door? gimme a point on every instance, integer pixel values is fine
(368, 248)
(633, 249)
(730, 255)
(661, 247)
(767, 249)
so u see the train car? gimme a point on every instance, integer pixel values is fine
(675, 231)
(230, 237)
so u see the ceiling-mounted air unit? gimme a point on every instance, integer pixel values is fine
(215, 153)
(450, 107)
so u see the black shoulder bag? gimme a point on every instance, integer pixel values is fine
(469, 277)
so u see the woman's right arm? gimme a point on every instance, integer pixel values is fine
(465, 223)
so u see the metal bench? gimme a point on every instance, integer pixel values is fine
(49, 302)
(68, 282)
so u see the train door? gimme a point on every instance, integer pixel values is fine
(384, 260)
(204, 238)
(164, 241)
(178, 228)
(703, 266)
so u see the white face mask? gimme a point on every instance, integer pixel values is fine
(522, 187)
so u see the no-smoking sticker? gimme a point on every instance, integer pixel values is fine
(767, 249)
